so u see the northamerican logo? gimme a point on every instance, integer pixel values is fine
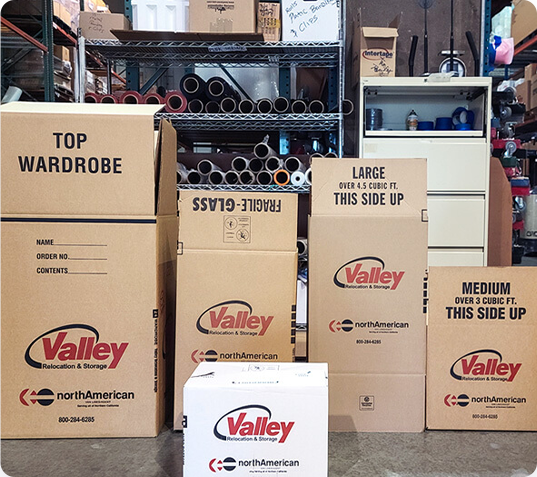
(217, 465)
(72, 344)
(484, 365)
(233, 317)
(252, 423)
(45, 397)
(367, 272)
(461, 400)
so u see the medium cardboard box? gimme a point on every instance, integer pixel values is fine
(62, 53)
(523, 93)
(236, 280)
(533, 92)
(373, 50)
(89, 234)
(251, 419)
(99, 26)
(311, 20)
(523, 20)
(223, 16)
(367, 260)
(481, 360)
(268, 21)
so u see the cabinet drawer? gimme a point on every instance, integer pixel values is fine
(456, 258)
(452, 165)
(456, 221)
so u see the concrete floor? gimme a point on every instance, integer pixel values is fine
(429, 454)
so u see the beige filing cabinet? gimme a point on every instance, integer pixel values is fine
(457, 160)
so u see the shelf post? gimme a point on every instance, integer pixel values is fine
(48, 56)
(285, 91)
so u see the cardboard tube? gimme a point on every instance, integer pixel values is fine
(192, 86)
(298, 178)
(175, 102)
(264, 106)
(256, 164)
(228, 105)
(216, 177)
(282, 177)
(247, 107)
(205, 167)
(281, 105)
(263, 151)
(231, 178)
(316, 154)
(308, 176)
(316, 107)
(331, 154)
(92, 98)
(131, 97)
(240, 163)
(264, 178)
(293, 164)
(195, 178)
(299, 107)
(348, 107)
(212, 107)
(302, 246)
(273, 163)
(108, 99)
(195, 106)
(182, 173)
(246, 177)
(153, 98)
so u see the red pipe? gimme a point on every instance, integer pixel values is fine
(153, 98)
(131, 97)
(175, 102)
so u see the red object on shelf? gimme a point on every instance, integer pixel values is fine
(500, 143)
(153, 98)
(92, 98)
(519, 225)
(520, 191)
(108, 98)
(510, 171)
(131, 97)
(175, 102)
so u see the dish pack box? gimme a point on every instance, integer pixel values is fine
(311, 20)
(374, 50)
(89, 235)
(367, 263)
(223, 16)
(481, 359)
(253, 418)
(236, 280)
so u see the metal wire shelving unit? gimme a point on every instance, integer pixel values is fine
(305, 189)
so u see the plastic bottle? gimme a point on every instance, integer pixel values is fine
(412, 121)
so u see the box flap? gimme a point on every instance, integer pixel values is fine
(245, 221)
(78, 159)
(379, 32)
(165, 175)
(375, 187)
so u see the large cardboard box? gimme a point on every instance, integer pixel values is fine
(367, 261)
(268, 21)
(99, 26)
(236, 280)
(373, 50)
(89, 234)
(257, 419)
(523, 20)
(311, 20)
(223, 16)
(481, 359)
(533, 86)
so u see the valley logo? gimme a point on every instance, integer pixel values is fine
(233, 317)
(45, 397)
(367, 273)
(74, 346)
(252, 423)
(484, 365)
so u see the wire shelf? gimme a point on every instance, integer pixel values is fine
(305, 189)
(252, 122)
(211, 54)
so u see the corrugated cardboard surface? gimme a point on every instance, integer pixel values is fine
(85, 296)
(236, 280)
(367, 263)
(523, 20)
(257, 419)
(223, 16)
(500, 217)
(99, 26)
(481, 356)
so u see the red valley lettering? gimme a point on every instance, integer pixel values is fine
(260, 427)
(375, 275)
(491, 367)
(240, 320)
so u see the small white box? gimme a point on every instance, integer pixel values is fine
(311, 20)
(269, 418)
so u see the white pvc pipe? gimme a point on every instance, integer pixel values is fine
(298, 178)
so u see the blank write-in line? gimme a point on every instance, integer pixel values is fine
(88, 273)
(80, 245)
(87, 258)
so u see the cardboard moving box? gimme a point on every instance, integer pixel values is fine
(523, 20)
(99, 26)
(89, 234)
(223, 16)
(367, 261)
(253, 418)
(236, 280)
(481, 359)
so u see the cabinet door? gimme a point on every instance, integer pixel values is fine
(453, 165)
(456, 221)
(456, 258)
